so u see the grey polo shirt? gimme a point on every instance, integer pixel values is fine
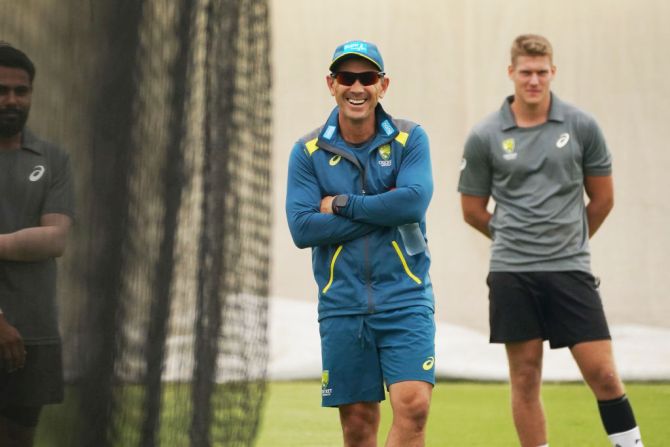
(536, 178)
(34, 180)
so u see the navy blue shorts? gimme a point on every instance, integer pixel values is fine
(562, 307)
(361, 353)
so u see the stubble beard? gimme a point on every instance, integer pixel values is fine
(12, 122)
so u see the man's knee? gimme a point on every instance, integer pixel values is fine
(604, 381)
(596, 361)
(525, 368)
(359, 422)
(416, 418)
(411, 407)
(526, 382)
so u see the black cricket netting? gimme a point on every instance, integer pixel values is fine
(164, 107)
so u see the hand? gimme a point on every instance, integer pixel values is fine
(12, 350)
(327, 205)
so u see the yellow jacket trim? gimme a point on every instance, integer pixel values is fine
(332, 268)
(400, 138)
(404, 263)
(311, 146)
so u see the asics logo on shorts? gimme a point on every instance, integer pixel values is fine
(428, 364)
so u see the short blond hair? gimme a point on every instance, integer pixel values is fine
(531, 45)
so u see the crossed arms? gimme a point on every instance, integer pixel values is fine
(29, 244)
(309, 213)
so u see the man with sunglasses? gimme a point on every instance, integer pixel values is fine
(358, 190)
(536, 157)
(36, 203)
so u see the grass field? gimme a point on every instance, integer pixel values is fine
(463, 414)
(466, 414)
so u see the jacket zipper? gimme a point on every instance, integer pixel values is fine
(346, 155)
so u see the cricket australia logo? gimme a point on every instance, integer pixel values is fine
(356, 46)
(38, 172)
(385, 155)
(509, 146)
(325, 378)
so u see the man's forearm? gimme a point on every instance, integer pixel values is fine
(33, 244)
(475, 212)
(596, 213)
(480, 222)
(314, 229)
(600, 191)
(392, 208)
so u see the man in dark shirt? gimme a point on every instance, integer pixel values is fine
(36, 211)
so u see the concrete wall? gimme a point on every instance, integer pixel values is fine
(447, 62)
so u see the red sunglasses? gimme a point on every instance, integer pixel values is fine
(348, 78)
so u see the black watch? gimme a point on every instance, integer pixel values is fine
(339, 202)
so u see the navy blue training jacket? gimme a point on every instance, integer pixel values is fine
(358, 257)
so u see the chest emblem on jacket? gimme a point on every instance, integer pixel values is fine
(563, 140)
(38, 172)
(508, 146)
(385, 155)
(335, 159)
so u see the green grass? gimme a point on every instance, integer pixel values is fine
(466, 414)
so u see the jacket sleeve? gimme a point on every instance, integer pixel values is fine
(308, 226)
(408, 202)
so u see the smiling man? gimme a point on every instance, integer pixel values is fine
(36, 209)
(536, 157)
(358, 190)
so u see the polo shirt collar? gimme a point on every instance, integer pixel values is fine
(556, 112)
(30, 141)
(386, 129)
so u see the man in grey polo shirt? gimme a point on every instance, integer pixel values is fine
(36, 209)
(536, 157)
